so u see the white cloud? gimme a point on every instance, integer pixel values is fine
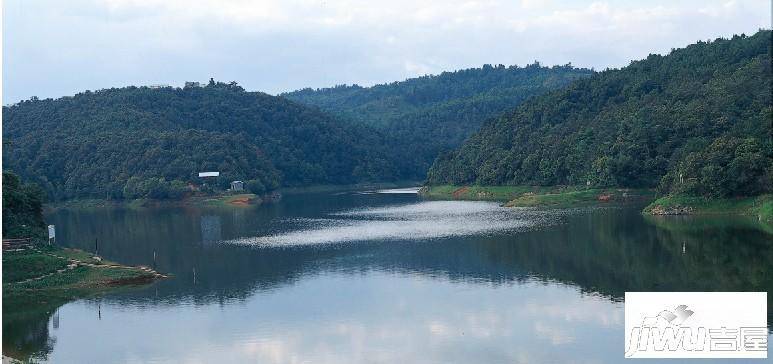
(426, 320)
(279, 45)
(555, 334)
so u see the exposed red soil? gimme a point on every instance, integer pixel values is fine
(460, 192)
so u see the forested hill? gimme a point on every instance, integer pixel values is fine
(144, 142)
(696, 121)
(426, 115)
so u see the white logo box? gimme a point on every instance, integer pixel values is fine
(696, 325)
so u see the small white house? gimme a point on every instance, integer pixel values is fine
(237, 186)
(208, 174)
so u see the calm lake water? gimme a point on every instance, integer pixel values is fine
(383, 278)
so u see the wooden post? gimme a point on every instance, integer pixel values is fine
(96, 246)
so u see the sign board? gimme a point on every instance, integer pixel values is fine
(209, 174)
(51, 232)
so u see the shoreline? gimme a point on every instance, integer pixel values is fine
(758, 206)
(51, 275)
(219, 200)
(539, 196)
(230, 200)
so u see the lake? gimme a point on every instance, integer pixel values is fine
(383, 277)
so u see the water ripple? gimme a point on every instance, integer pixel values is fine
(415, 221)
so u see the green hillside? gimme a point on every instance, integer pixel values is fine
(696, 121)
(142, 142)
(424, 116)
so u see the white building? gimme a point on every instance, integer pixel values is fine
(237, 186)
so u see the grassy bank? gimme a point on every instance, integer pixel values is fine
(221, 199)
(531, 196)
(489, 193)
(584, 197)
(760, 206)
(243, 199)
(54, 275)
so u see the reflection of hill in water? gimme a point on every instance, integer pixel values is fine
(603, 252)
(26, 336)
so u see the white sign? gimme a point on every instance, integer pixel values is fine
(209, 174)
(696, 325)
(51, 232)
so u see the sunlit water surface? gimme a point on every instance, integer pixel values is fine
(381, 276)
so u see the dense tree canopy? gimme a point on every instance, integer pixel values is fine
(143, 142)
(423, 116)
(22, 208)
(696, 121)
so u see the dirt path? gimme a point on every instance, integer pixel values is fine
(74, 263)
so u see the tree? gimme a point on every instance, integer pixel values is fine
(22, 208)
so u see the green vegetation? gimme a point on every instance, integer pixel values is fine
(22, 209)
(138, 142)
(536, 196)
(21, 266)
(216, 199)
(35, 273)
(580, 197)
(424, 116)
(52, 274)
(493, 193)
(760, 206)
(142, 143)
(696, 122)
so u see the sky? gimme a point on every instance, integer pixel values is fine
(54, 48)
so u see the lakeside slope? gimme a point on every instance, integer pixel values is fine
(44, 274)
(759, 206)
(538, 196)
(695, 122)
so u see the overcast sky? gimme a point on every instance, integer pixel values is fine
(53, 48)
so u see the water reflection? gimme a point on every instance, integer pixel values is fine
(507, 286)
(357, 322)
(211, 229)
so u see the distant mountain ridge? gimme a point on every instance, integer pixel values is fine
(424, 116)
(127, 142)
(696, 121)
